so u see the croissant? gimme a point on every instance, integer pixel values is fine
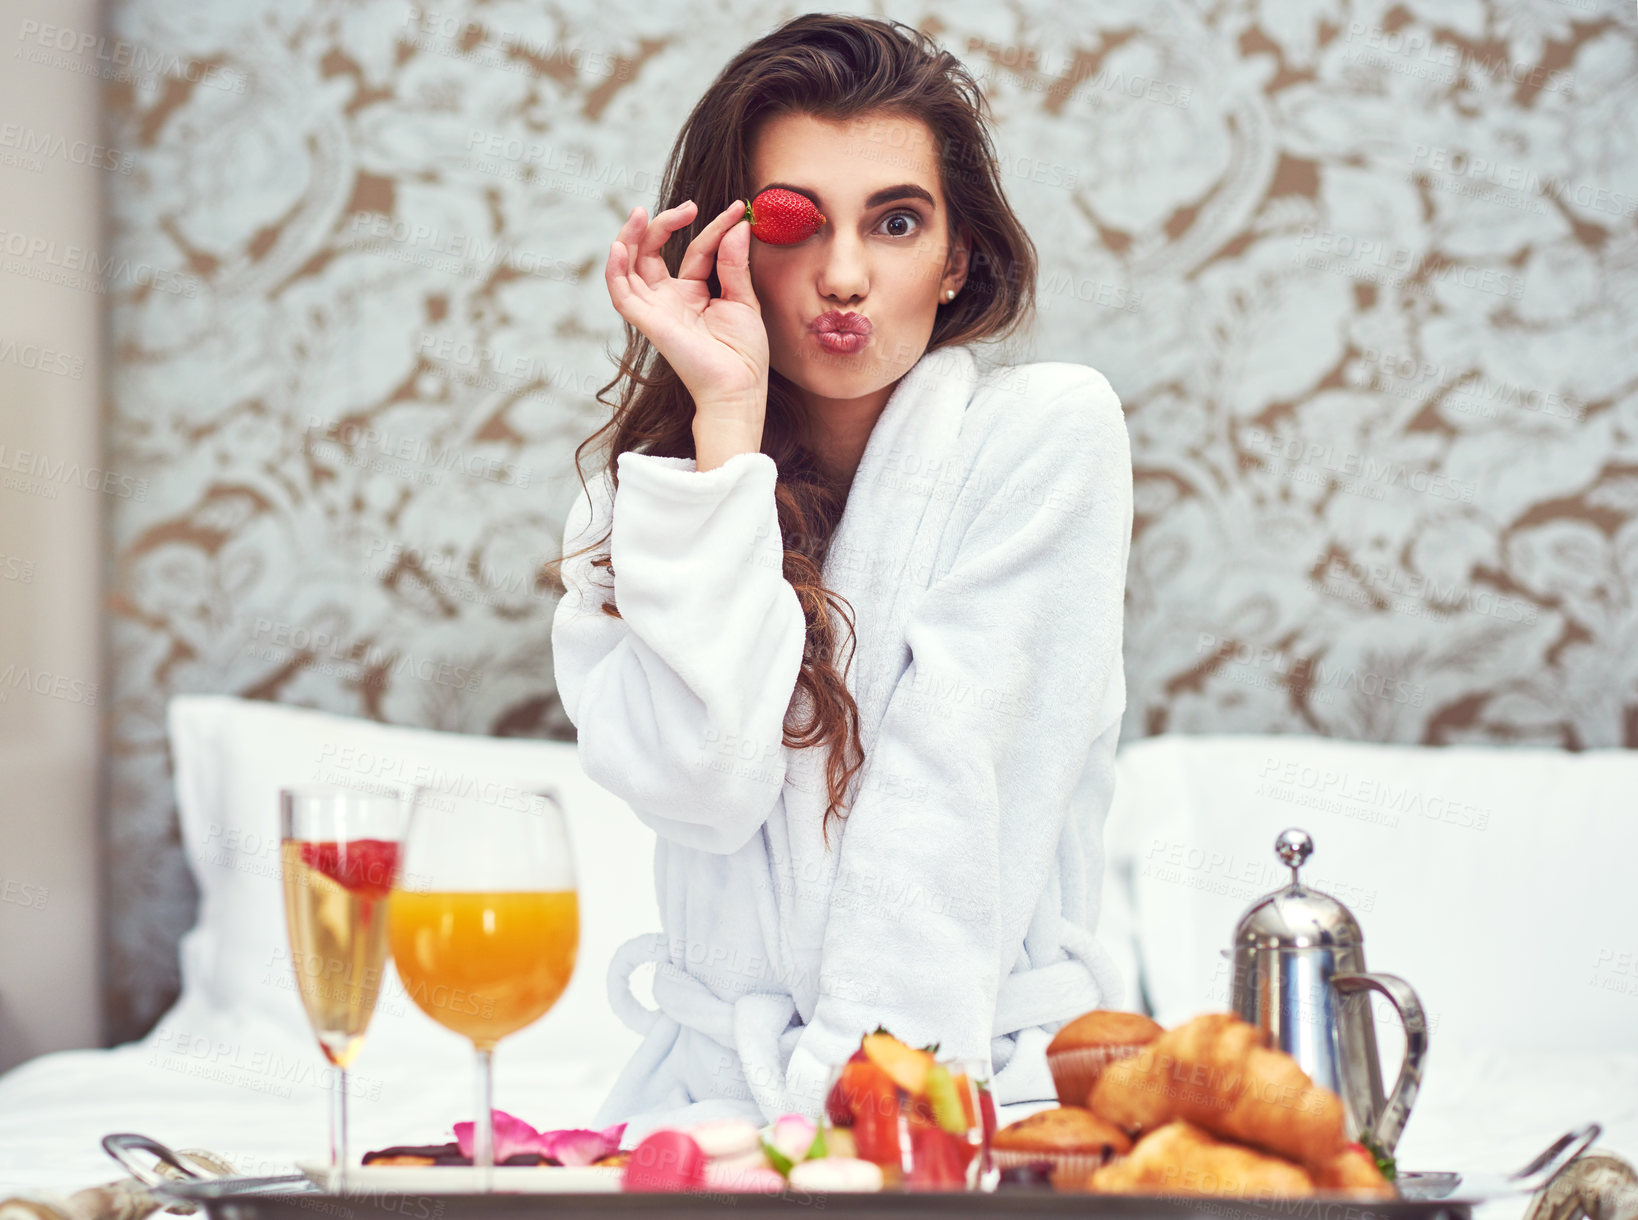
(1354, 1171)
(1214, 1072)
(1180, 1158)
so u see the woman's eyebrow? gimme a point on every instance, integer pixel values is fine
(887, 194)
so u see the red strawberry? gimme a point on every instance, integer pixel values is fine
(839, 1106)
(876, 1102)
(365, 866)
(938, 1159)
(782, 218)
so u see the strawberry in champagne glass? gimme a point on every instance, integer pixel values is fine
(339, 857)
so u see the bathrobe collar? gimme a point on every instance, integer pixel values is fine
(901, 496)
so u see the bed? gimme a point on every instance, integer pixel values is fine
(1501, 884)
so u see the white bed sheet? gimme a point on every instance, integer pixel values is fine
(266, 1108)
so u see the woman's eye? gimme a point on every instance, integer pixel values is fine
(893, 217)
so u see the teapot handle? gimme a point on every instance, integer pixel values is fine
(1391, 1124)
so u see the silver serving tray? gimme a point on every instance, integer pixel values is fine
(1423, 1196)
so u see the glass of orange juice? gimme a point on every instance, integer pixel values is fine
(338, 855)
(484, 920)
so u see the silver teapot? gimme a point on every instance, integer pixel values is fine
(1299, 975)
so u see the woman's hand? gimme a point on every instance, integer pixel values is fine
(718, 346)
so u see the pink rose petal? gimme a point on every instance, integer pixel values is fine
(512, 1135)
(793, 1135)
(578, 1146)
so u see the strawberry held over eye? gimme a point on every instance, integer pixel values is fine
(782, 218)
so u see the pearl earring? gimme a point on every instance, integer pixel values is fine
(949, 294)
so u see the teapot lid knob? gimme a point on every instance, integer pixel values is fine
(1293, 847)
(1295, 917)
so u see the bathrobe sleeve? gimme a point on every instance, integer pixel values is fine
(1014, 677)
(680, 703)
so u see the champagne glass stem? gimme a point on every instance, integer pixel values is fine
(338, 1133)
(483, 1131)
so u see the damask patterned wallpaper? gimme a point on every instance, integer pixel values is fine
(1365, 276)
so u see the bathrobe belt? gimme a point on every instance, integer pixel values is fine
(1040, 995)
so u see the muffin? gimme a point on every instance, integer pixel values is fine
(1080, 1051)
(1072, 1140)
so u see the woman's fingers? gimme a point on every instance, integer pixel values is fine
(635, 301)
(698, 259)
(648, 262)
(630, 295)
(635, 269)
(734, 267)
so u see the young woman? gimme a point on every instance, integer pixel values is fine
(910, 836)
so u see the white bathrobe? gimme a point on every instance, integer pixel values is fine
(983, 550)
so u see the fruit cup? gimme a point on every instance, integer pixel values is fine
(926, 1120)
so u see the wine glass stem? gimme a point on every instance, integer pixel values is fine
(483, 1146)
(338, 1133)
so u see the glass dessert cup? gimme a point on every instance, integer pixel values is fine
(927, 1126)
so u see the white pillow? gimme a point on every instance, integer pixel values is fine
(230, 758)
(1497, 882)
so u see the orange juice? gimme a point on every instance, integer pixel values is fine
(484, 965)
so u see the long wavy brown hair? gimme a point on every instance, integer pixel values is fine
(834, 67)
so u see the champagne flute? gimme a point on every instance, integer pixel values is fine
(338, 852)
(485, 921)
